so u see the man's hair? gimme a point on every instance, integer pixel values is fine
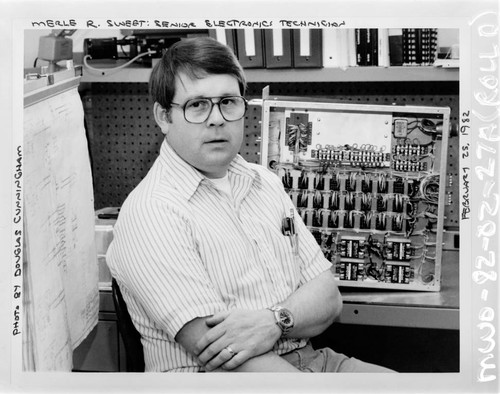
(197, 58)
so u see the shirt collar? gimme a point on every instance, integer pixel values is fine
(187, 179)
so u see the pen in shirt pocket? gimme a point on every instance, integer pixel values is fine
(288, 228)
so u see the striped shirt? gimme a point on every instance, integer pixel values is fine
(182, 249)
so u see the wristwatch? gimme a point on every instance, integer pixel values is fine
(284, 318)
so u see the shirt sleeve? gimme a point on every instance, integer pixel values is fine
(154, 254)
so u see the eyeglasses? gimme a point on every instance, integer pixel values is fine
(198, 110)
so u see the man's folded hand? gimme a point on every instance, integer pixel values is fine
(236, 336)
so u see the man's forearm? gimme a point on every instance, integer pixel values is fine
(315, 305)
(251, 333)
(268, 362)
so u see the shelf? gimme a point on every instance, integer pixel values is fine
(352, 74)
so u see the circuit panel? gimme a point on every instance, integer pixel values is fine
(368, 182)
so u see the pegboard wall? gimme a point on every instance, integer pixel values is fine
(124, 139)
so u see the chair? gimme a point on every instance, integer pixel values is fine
(134, 354)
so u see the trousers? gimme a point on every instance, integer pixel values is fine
(308, 359)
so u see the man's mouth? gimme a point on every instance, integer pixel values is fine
(216, 141)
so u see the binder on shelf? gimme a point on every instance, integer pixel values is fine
(344, 48)
(368, 48)
(339, 48)
(331, 48)
(351, 47)
(372, 47)
(362, 47)
(250, 48)
(395, 47)
(225, 36)
(383, 47)
(278, 48)
(307, 48)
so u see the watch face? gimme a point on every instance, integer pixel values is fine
(285, 318)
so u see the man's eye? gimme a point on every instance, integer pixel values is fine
(197, 104)
(228, 101)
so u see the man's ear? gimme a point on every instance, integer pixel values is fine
(161, 117)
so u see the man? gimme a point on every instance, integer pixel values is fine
(210, 279)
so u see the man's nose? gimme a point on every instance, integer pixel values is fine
(215, 118)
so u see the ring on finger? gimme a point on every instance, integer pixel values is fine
(231, 351)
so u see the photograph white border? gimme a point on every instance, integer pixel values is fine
(479, 239)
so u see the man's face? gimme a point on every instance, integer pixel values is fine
(209, 146)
